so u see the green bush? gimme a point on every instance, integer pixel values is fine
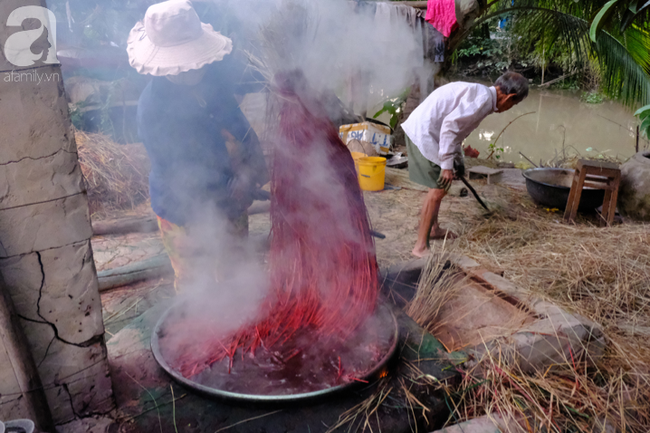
(592, 97)
(644, 116)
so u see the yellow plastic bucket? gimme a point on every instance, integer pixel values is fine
(355, 156)
(372, 172)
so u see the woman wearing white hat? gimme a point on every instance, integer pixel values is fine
(204, 154)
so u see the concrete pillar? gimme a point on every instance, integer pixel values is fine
(45, 255)
(20, 384)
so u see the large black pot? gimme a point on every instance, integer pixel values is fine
(551, 186)
(383, 316)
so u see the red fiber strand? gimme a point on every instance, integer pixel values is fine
(322, 266)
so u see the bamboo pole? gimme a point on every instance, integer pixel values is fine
(543, 61)
(149, 224)
(123, 226)
(153, 267)
(415, 4)
(25, 372)
(548, 83)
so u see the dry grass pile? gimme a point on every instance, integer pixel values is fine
(572, 396)
(600, 273)
(116, 175)
(439, 284)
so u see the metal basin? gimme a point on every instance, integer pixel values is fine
(382, 313)
(550, 187)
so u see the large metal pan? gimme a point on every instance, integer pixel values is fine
(382, 310)
(551, 186)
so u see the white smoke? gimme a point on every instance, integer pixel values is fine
(366, 52)
(363, 52)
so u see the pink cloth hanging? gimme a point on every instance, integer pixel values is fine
(442, 15)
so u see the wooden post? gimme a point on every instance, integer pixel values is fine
(637, 138)
(20, 356)
(543, 60)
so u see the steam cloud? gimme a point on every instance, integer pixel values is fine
(362, 53)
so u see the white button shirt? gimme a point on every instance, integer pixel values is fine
(440, 124)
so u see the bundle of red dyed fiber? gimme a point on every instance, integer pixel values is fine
(323, 270)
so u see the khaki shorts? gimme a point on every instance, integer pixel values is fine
(421, 170)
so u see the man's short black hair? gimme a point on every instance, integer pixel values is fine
(512, 82)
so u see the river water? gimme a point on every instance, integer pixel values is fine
(607, 129)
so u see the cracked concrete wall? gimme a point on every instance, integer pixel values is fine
(11, 400)
(45, 253)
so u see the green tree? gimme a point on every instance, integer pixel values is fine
(630, 20)
(615, 35)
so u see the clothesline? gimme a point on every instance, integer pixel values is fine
(433, 42)
(414, 4)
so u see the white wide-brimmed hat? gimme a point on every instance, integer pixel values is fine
(172, 39)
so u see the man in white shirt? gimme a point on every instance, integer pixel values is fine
(435, 132)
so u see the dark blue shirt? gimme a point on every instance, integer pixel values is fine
(181, 127)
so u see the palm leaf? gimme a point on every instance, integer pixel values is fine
(558, 29)
(623, 78)
(637, 42)
(603, 15)
(637, 10)
(581, 9)
(563, 25)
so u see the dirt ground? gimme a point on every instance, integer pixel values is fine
(396, 213)
(600, 273)
(393, 212)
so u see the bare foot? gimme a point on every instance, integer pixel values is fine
(420, 252)
(438, 233)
